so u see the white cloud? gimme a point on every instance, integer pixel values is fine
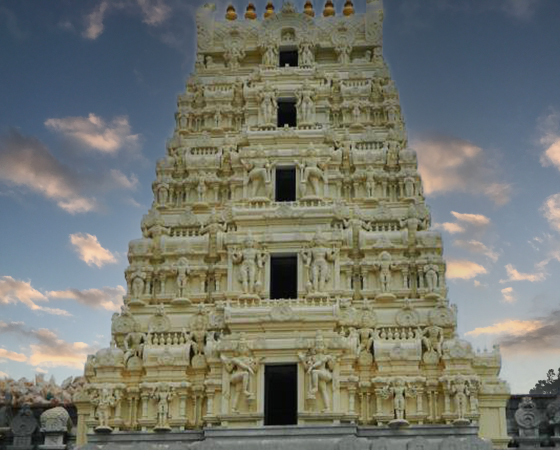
(153, 12)
(475, 246)
(450, 227)
(508, 295)
(511, 327)
(41, 370)
(13, 356)
(450, 164)
(107, 298)
(123, 181)
(464, 270)
(48, 350)
(94, 21)
(4, 375)
(520, 9)
(14, 291)
(90, 250)
(514, 275)
(549, 129)
(26, 162)
(96, 133)
(551, 211)
(473, 219)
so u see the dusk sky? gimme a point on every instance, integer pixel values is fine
(87, 97)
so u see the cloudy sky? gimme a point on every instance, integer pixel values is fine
(88, 95)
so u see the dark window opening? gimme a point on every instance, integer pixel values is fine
(280, 397)
(287, 114)
(289, 58)
(283, 276)
(285, 184)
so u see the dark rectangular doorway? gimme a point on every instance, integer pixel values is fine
(287, 114)
(283, 276)
(280, 394)
(285, 184)
(289, 58)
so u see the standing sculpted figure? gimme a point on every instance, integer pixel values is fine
(182, 270)
(311, 174)
(268, 105)
(163, 394)
(258, 176)
(316, 259)
(104, 401)
(270, 55)
(319, 367)
(460, 390)
(137, 283)
(306, 56)
(305, 104)
(212, 228)
(385, 266)
(251, 261)
(243, 368)
(398, 391)
(431, 272)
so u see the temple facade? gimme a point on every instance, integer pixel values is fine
(287, 275)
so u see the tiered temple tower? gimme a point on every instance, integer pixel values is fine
(287, 273)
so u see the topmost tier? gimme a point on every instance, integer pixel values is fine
(238, 43)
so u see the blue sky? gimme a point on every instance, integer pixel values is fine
(88, 92)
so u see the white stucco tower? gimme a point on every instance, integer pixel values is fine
(287, 278)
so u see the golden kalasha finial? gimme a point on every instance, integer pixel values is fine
(329, 9)
(251, 12)
(269, 10)
(308, 8)
(348, 8)
(230, 13)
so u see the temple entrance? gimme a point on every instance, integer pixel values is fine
(280, 394)
(283, 276)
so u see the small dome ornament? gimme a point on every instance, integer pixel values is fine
(348, 8)
(269, 11)
(329, 10)
(251, 13)
(308, 8)
(230, 13)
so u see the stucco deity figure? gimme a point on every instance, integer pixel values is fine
(312, 175)
(319, 368)
(409, 184)
(258, 177)
(134, 343)
(432, 339)
(104, 401)
(461, 392)
(343, 51)
(137, 283)
(163, 394)
(370, 183)
(201, 188)
(366, 340)
(212, 228)
(385, 266)
(234, 55)
(182, 271)
(270, 54)
(398, 390)
(242, 368)
(268, 105)
(305, 104)
(162, 192)
(431, 274)
(316, 258)
(251, 261)
(306, 55)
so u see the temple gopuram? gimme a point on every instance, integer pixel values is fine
(288, 290)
